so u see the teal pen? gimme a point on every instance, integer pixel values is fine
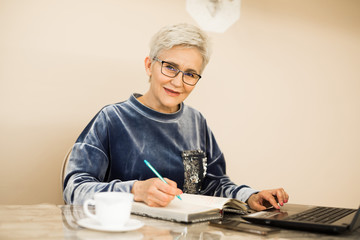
(158, 175)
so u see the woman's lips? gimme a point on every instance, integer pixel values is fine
(171, 92)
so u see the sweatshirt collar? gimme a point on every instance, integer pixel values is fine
(150, 113)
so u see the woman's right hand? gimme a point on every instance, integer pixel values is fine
(155, 192)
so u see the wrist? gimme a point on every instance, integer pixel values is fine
(135, 190)
(250, 197)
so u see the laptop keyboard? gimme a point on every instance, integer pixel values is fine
(322, 215)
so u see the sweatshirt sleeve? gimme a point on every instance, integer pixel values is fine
(216, 182)
(88, 163)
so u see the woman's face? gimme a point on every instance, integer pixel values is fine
(166, 93)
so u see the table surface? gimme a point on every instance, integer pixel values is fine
(46, 221)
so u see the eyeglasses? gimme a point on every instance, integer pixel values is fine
(169, 70)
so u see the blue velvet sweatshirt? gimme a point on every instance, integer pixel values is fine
(110, 152)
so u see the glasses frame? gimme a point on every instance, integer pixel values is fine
(177, 72)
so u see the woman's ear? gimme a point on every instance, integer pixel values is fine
(148, 66)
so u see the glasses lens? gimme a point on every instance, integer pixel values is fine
(169, 70)
(191, 78)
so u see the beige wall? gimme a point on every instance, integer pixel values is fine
(281, 92)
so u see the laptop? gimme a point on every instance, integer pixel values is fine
(309, 218)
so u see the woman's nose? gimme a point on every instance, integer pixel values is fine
(177, 80)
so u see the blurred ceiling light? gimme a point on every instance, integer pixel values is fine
(214, 15)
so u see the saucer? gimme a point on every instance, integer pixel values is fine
(90, 223)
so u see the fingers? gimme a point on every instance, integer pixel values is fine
(165, 192)
(281, 196)
(258, 207)
(169, 188)
(278, 197)
(254, 202)
(267, 198)
(154, 192)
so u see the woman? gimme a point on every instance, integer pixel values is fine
(157, 126)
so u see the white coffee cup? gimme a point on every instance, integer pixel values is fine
(111, 208)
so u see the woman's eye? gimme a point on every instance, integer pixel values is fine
(189, 74)
(171, 68)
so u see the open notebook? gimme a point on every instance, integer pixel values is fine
(192, 208)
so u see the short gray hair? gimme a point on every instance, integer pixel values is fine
(182, 34)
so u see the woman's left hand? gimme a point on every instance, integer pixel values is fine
(267, 198)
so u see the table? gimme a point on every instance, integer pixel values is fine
(47, 221)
